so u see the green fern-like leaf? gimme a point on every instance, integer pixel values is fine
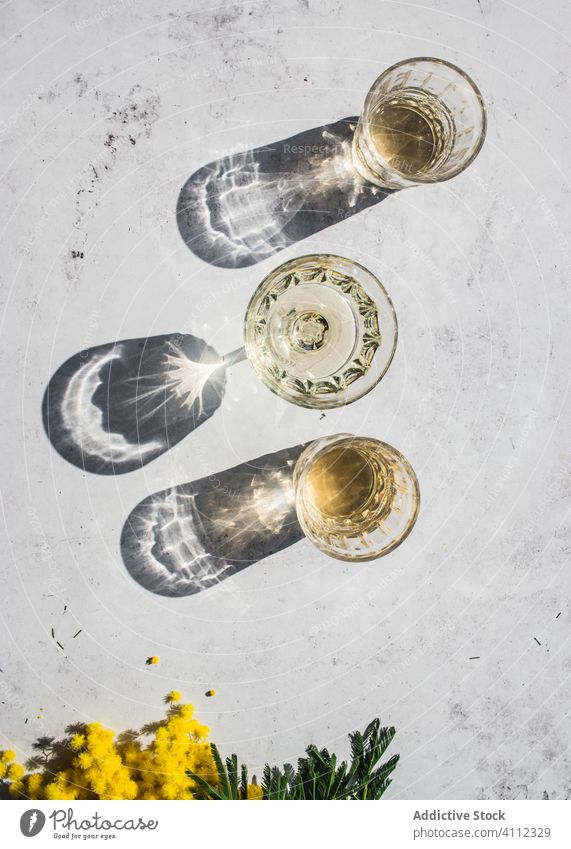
(318, 774)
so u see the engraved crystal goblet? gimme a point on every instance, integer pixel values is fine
(320, 331)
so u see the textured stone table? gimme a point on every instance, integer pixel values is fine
(460, 638)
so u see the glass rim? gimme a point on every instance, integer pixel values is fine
(391, 311)
(481, 138)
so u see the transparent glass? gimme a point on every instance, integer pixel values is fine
(356, 498)
(320, 331)
(424, 121)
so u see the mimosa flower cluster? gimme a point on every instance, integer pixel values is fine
(172, 759)
(94, 763)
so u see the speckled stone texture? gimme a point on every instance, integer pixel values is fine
(460, 638)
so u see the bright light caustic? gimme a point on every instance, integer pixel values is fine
(88, 430)
(193, 536)
(242, 208)
(186, 379)
(116, 407)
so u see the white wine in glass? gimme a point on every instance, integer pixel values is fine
(356, 498)
(320, 331)
(423, 121)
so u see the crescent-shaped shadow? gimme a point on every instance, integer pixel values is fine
(114, 408)
(190, 537)
(241, 209)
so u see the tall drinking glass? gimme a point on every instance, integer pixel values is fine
(356, 498)
(424, 121)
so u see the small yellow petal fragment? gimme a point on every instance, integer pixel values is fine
(173, 696)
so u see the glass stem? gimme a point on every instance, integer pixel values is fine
(235, 357)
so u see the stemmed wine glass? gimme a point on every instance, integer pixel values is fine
(320, 331)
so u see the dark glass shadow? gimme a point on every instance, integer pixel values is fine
(114, 408)
(188, 538)
(240, 209)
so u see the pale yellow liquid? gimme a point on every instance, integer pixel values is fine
(340, 483)
(404, 138)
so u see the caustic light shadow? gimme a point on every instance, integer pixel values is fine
(187, 538)
(241, 209)
(114, 408)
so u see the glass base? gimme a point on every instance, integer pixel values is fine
(320, 331)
